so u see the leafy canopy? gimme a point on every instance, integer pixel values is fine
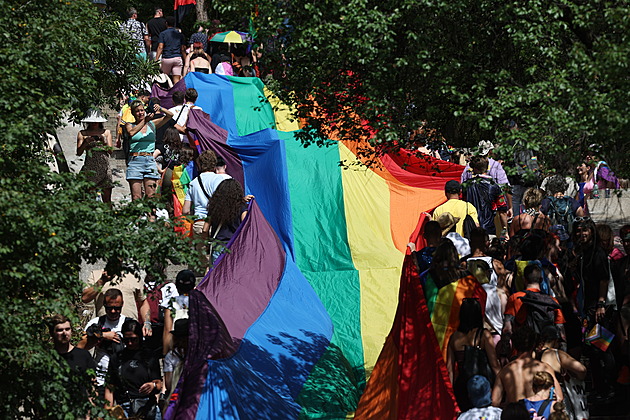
(557, 68)
(61, 57)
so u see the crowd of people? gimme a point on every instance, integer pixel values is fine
(160, 40)
(553, 324)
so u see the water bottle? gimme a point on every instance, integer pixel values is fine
(595, 191)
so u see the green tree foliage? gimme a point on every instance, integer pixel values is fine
(558, 68)
(60, 57)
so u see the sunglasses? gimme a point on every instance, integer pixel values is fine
(583, 219)
(131, 339)
(113, 308)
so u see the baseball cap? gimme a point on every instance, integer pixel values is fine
(452, 187)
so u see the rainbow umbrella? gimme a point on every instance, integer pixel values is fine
(232, 37)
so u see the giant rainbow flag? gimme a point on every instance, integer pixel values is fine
(291, 322)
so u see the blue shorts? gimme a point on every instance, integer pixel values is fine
(142, 167)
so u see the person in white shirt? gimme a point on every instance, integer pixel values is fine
(182, 109)
(196, 201)
(103, 334)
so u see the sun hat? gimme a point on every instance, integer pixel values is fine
(447, 221)
(94, 115)
(479, 391)
(484, 147)
(163, 79)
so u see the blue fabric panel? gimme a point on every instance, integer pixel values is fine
(264, 164)
(275, 358)
(215, 97)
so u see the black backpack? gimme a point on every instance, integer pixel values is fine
(540, 310)
(110, 347)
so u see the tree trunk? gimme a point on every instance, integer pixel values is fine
(202, 13)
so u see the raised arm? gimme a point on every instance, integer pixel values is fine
(161, 121)
(571, 365)
(488, 346)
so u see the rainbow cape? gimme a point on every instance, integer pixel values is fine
(291, 322)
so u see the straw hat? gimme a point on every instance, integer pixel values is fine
(447, 221)
(94, 115)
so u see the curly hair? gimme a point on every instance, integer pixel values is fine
(207, 161)
(172, 140)
(532, 198)
(226, 204)
(557, 184)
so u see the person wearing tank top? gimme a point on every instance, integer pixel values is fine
(141, 168)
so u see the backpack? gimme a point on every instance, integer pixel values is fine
(527, 169)
(561, 213)
(110, 347)
(469, 223)
(154, 295)
(540, 310)
(476, 360)
(537, 413)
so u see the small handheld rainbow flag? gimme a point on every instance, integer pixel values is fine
(599, 337)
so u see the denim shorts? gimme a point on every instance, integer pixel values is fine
(141, 167)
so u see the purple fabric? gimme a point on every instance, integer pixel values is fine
(243, 281)
(209, 339)
(212, 137)
(166, 96)
(238, 288)
(495, 170)
(605, 175)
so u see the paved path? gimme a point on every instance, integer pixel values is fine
(68, 138)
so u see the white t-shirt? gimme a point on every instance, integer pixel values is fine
(486, 413)
(171, 360)
(461, 244)
(195, 194)
(169, 290)
(180, 116)
(101, 357)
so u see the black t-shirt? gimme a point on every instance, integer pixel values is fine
(591, 268)
(621, 276)
(167, 157)
(129, 370)
(79, 360)
(228, 229)
(155, 27)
